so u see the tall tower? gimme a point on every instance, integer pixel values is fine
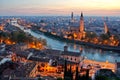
(72, 16)
(105, 28)
(82, 33)
(81, 23)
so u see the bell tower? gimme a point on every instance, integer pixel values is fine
(81, 23)
(105, 28)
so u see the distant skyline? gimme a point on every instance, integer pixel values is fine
(59, 7)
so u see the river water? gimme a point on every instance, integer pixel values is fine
(88, 52)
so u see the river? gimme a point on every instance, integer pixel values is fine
(88, 52)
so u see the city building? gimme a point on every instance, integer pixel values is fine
(106, 30)
(1, 27)
(71, 56)
(82, 28)
(80, 34)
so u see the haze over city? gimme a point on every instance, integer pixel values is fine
(59, 7)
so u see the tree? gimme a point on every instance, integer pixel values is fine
(87, 74)
(91, 35)
(68, 75)
(104, 36)
(99, 77)
(38, 68)
(82, 77)
(21, 37)
(59, 78)
(39, 79)
(67, 78)
(65, 69)
(4, 35)
(116, 37)
(76, 76)
(44, 42)
(18, 36)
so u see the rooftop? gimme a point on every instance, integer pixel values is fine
(68, 53)
(24, 69)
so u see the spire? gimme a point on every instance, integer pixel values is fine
(105, 28)
(81, 15)
(72, 16)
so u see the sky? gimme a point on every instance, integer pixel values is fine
(59, 7)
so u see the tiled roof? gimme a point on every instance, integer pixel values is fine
(24, 69)
(35, 58)
(58, 52)
(71, 53)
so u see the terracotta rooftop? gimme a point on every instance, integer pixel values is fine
(24, 69)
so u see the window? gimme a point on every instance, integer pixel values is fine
(75, 59)
(67, 58)
(43, 65)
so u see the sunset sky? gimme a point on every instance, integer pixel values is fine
(60, 7)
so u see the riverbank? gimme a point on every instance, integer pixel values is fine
(89, 52)
(98, 46)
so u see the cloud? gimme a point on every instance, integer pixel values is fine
(64, 7)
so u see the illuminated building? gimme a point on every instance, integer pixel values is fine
(1, 27)
(45, 67)
(71, 56)
(81, 23)
(81, 33)
(106, 28)
(81, 28)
